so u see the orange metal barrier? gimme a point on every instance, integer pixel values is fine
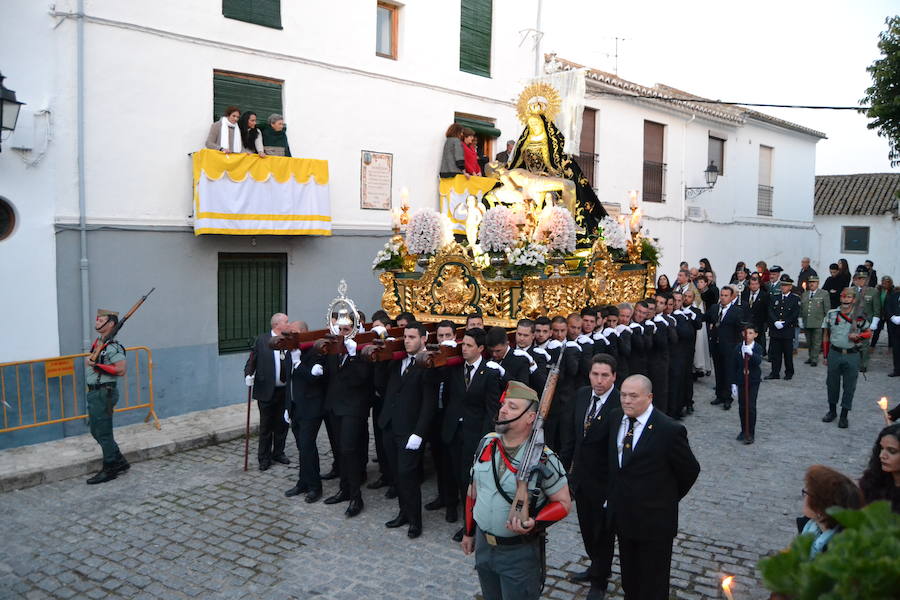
(46, 391)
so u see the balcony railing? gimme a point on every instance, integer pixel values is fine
(587, 161)
(764, 200)
(654, 181)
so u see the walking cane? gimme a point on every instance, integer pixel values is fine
(746, 389)
(247, 432)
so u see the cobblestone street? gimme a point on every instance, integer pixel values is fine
(194, 525)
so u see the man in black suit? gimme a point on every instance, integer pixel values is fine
(651, 469)
(664, 340)
(306, 408)
(756, 305)
(410, 401)
(511, 364)
(784, 312)
(267, 370)
(558, 427)
(641, 338)
(471, 393)
(892, 318)
(525, 341)
(724, 320)
(590, 470)
(682, 352)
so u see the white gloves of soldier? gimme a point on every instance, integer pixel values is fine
(532, 366)
(635, 325)
(350, 345)
(287, 419)
(689, 312)
(544, 352)
(895, 319)
(554, 344)
(748, 350)
(295, 358)
(608, 332)
(620, 329)
(493, 365)
(800, 323)
(381, 330)
(449, 343)
(598, 335)
(659, 318)
(413, 442)
(779, 324)
(734, 392)
(875, 322)
(573, 344)
(583, 339)
(249, 380)
(317, 371)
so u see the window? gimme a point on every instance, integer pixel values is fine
(587, 157)
(716, 153)
(475, 37)
(259, 12)
(252, 288)
(765, 191)
(654, 167)
(485, 132)
(7, 219)
(248, 92)
(855, 239)
(386, 30)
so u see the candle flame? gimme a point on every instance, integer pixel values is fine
(726, 582)
(636, 220)
(883, 403)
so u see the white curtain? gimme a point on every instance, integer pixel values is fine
(570, 85)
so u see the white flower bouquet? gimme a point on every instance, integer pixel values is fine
(614, 234)
(527, 257)
(390, 257)
(424, 232)
(556, 230)
(498, 230)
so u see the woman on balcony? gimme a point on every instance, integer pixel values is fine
(224, 134)
(250, 135)
(274, 137)
(453, 159)
(470, 150)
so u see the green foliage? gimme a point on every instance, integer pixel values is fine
(862, 561)
(650, 252)
(883, 97)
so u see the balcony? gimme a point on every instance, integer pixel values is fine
(764, 200)
(654, 181)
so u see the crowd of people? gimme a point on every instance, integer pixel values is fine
(236, 133)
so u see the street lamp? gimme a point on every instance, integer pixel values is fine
(711, 174)
(9, 107)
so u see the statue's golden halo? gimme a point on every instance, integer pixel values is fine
(538, 98)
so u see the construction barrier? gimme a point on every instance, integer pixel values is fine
(47, 391)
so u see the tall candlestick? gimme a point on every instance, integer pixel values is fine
(882, 404)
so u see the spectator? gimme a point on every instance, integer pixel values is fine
(704, 265)
(470, 152)
(223, 134)
(740, 266)
(835, 283)
(873, 276)
(274, 137)
(453, 159)
(881, 479)
(695, 274)
(662, 285)
(684, 266)
(763, 270)
(805, 272)
(825, 488)
(250, 135)
(739, 281)
(884, 291)
(503, 157)
(844, 268)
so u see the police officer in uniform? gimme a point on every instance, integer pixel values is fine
(846, 331)
(814, 304)
(870, 298)
(508, 554)
(784, 312)
(101, 378)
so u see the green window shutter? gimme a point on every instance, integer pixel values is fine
(251, 288)
(475, 37)
(259, 12)
(261, 97)
(485, 128)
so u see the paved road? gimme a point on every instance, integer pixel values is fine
(194, 525)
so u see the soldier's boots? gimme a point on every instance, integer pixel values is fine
(842, 421)
(105, 474)
(831, 415)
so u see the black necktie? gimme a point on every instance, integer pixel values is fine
(628, 441)
(282, 376)
(469, 374)
(589, 417)
(407, 363)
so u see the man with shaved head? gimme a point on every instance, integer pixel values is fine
(651, 469)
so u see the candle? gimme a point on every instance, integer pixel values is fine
(632, 199)
(404, 196)
(726, 586)
(882, 404)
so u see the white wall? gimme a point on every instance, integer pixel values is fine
(884, 242)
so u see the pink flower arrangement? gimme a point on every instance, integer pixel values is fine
(498, 230)
(556, 230)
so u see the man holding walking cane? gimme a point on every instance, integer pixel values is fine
(745, 377)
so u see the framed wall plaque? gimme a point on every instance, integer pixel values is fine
(375, 178)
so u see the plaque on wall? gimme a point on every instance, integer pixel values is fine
(376, 169)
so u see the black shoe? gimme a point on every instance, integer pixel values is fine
(893, 374)
(813, 364)
(451, 515)
(265, 466)
(740, 437)
(313, 496)
(458, 536)
(580, 576)
(807, 361)
(355, 507)
(726, 405)
(414, 531)
(788, 376)
(842, 420)
(398, 521)
(121, 465)
(717, 401)
(282, 459)
(378, 483)
(596, 593)
(435, 504)
(690, 409)
(863, 369)
(332, 474)
(103, 476)
(772, 376)
(748, 441)
(391, 492)
(829, 416)
(297, 490)
(337, 498)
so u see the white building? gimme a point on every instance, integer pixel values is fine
(857, 218)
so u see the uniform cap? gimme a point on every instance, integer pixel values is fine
(518, 390)
(776, 269)
(786, 280)
(812, 278)
(861, 273)
(102, 312)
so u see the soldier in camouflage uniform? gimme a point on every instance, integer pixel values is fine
(847, 330)
(871, 306)
(814, 304)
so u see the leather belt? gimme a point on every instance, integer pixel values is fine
(514, 540)
(96, 386)
(845, 350)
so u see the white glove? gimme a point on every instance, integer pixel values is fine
(554, 344)
(361, 328)
(249, 380)
(520, 352)
(800, 323)
(649, 323)
(875, 322)
(295, 358)
(287, 419)
(381, 330)
(748, 350)
(734, 392)
(390, 339)
(350, 345)
(317, 371)
(544, 352)
(413, 442)
(779, 324)
(620, 329)
(608, 332)
(598, 335)
(659, 318)
(635, 325)
(895, 319)
(449, 343)
(572, 344)
(583, 339)
(493, 365)
(691, 313)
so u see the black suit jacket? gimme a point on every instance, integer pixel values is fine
(737, 365)
(726, 334)
(516, 368)
(641, 344)
(306, 398)
(476, 405)
(590, 465)
(785, 309)
(644, 493)
(349, 385)
(410, 399)
(758, 314)
(261, 364)
(538, 378)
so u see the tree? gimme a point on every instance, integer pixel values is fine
(883, 98)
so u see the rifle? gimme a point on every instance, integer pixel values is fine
(106, 339)
(534, 447)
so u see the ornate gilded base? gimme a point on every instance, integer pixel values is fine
(452, 287)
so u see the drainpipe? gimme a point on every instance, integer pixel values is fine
(538, 59)
(684, 184)
(82, 211)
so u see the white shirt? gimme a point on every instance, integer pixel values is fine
(723, 310)
(601, 400)
(277, 364)
(638, 429)
(475, 366)
(406, 364)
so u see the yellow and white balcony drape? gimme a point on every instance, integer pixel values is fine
(455, 190)
(244, 194)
